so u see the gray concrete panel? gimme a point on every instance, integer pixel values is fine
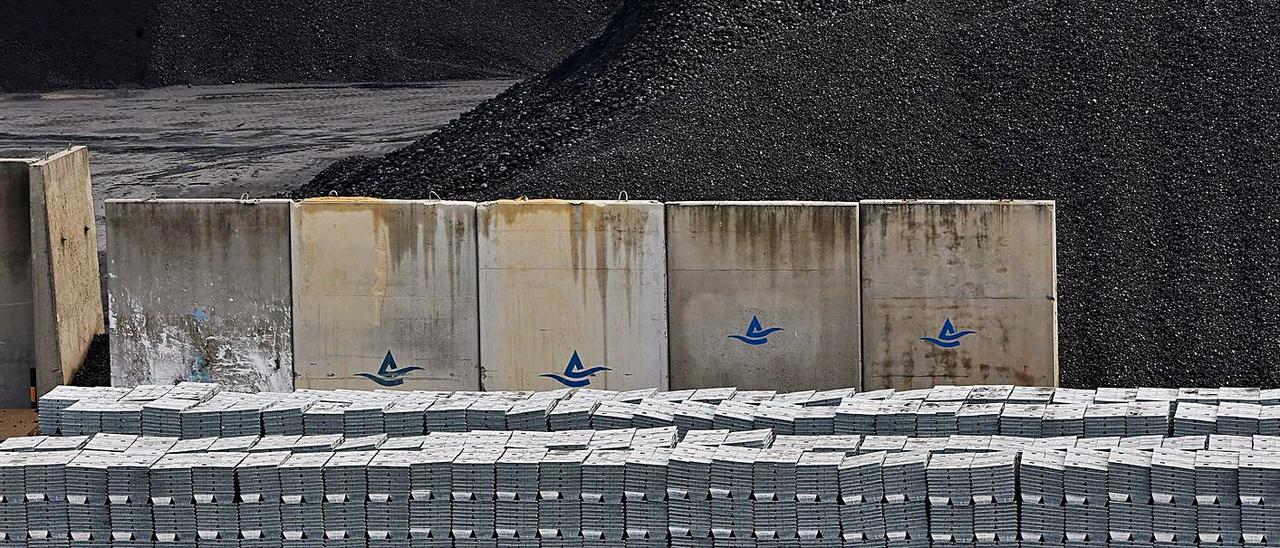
(384, 294)
(986, 269)
(559, 278)
(791, 267)
(65, 280)
(17, 338)
(200, 290)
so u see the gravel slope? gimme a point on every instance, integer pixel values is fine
(65, 44)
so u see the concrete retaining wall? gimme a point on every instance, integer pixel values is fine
(65, 280)
(200, 290)
(789, 266)
(17, 321)
(384, 294)
(560, 280)
(525, 295)
(986, 270)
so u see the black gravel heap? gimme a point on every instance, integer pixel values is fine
(1155, 124)
(47, 44)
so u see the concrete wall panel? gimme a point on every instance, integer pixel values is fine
(67, 298)
(985, 267)
(200, 290)
(559, 278)
(379, 278)
(792, 266)
(17, 338)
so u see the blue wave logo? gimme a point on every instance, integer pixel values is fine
(389, 374)
(575, 374)
(948, 337)
(756, 335)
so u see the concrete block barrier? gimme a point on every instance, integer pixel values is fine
(17, 319)
(958, 292)
(67, 292)
(50, 293)
(200, 290)
(763, 295)
(384, 294)
(572, 294)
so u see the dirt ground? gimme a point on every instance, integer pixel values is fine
(16, 423)
(226, 141)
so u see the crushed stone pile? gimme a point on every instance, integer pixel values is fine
(1155, 125)
(168, 42)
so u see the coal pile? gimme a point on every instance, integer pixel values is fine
(1155, 125)
(88, 43)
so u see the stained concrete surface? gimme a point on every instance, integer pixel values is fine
(200, 291)
(561, 280)
(791, 267)
(64, 266)
(16, 335)
(224, 141)
(384, 294)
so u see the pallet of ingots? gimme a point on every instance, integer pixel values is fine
(516, 490)
(770, 476)
(192, 409)
(730, 487)
(1195, 419)
(260, 490)
(1041, 496)
(603, 479)
(1217, 487)
(1084, 483)
(1129, 491)
(1260, 497)
(645, 497)
(1173, 488)
(817, 497)
(774, 493)
(302, 496)
(993, 488)
(861, 492)
(560, 494)
(905, 511)
(688, 489)
(950, 499)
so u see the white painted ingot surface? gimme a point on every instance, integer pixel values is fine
(65, 281)
(199, 290)
(560, 277)
(989, 267)
(793, 266)
(372, 277)
(17, 339)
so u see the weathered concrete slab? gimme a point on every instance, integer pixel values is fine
(562, 279)
(200, 290)
(789, 267)
(67, 299)
(17, 338)
(374, 279)
(986, 269)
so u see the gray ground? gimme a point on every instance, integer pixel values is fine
(225, 141)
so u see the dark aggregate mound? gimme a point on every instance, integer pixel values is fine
(1153, 123)
(94, 43)
(59, 44)
(96, 369)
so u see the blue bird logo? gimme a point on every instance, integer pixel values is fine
(948, 337)
(389, 374)
(575, 375)
(756, 335)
